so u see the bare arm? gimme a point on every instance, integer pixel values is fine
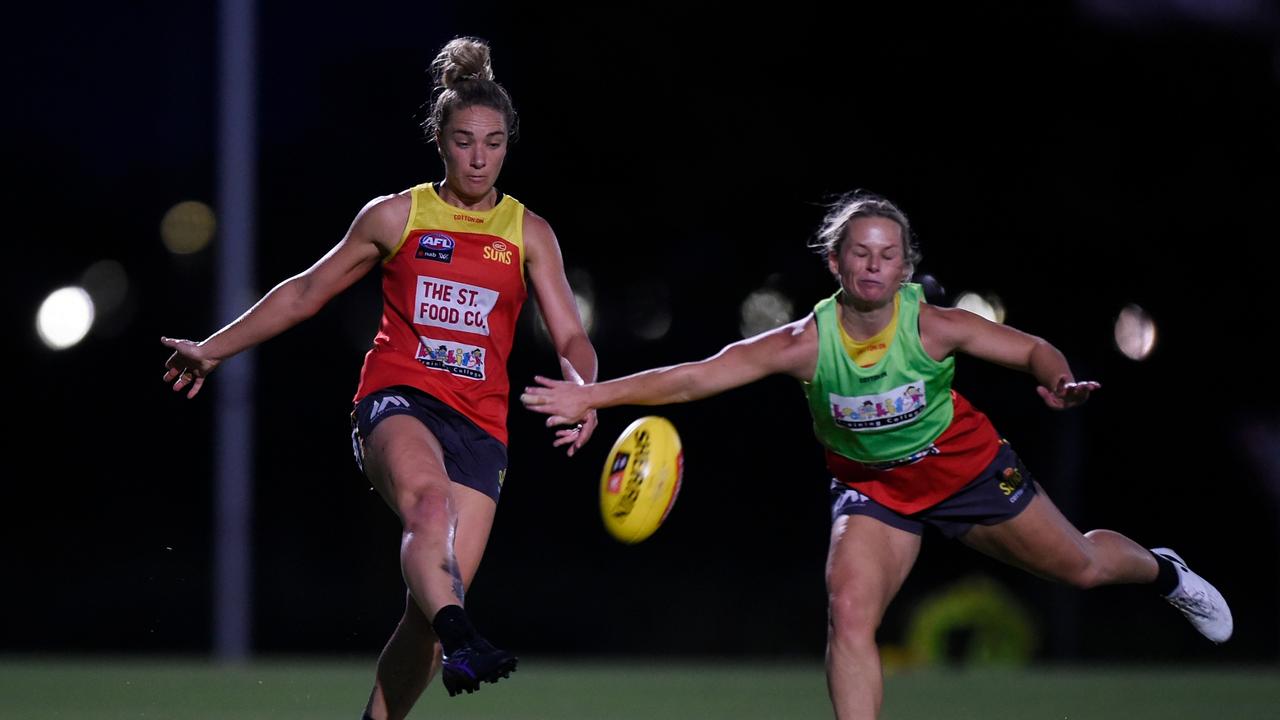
(946, 330)
(578, 360)
(791, 349)
(555, 298)
(374, 233)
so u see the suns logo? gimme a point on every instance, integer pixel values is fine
(498, 252)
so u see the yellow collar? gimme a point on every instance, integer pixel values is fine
(869, 352)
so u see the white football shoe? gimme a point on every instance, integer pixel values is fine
(1201, 603)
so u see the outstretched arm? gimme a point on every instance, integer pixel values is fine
(373, 233)
(945, 330)
(791, 349)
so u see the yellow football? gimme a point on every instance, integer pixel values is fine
(641, 479)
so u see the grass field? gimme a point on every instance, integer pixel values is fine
(546, 689)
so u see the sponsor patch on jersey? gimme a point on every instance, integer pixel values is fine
(462, 360)
(453, 305)
(436, 246)
(899, 406)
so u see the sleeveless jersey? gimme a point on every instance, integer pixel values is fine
(451, 293)
(886, 411)
(895, 431)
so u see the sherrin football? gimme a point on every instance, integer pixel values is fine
(641, 479)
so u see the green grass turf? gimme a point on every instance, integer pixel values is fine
(182, 689)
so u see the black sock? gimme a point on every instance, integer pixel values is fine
(1166, 577)
(453, 627)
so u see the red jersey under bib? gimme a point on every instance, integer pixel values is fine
(952, 461)
(451, 293)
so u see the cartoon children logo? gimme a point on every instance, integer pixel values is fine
(465, 361)
(868, 410)
(891, 408)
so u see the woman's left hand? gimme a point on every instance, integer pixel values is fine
(1067, 394)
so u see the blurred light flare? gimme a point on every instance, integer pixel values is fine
(1135, 333)
(188, 227)
(65, 317)
(107, 283)
(649, 311)
(583, 287)
(587, 311)
(763, 310)
(988, 306)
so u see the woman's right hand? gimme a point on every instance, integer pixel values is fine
(188, 366)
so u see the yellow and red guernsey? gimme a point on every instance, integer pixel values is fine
(451, 293)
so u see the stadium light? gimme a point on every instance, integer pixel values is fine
(765, 309)
(64, 318)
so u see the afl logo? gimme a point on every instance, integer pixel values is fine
(435, 246)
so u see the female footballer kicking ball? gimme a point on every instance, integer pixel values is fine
(430, 419)
(905, 450)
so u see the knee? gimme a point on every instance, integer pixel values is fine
(852, 619)
(1082, 571)
(424, 508)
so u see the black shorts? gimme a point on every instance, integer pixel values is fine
(472, 457)
(1001, 491)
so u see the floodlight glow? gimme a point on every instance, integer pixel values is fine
(64, 318)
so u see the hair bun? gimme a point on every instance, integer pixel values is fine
(462, 60)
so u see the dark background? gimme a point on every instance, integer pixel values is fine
(1072, 159)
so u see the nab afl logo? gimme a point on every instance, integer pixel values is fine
(435, 246)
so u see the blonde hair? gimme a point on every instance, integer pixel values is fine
(861, 203)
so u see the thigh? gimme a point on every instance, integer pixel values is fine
(866, 564)
(1039, 539)
(403, 459)
(470, 456)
